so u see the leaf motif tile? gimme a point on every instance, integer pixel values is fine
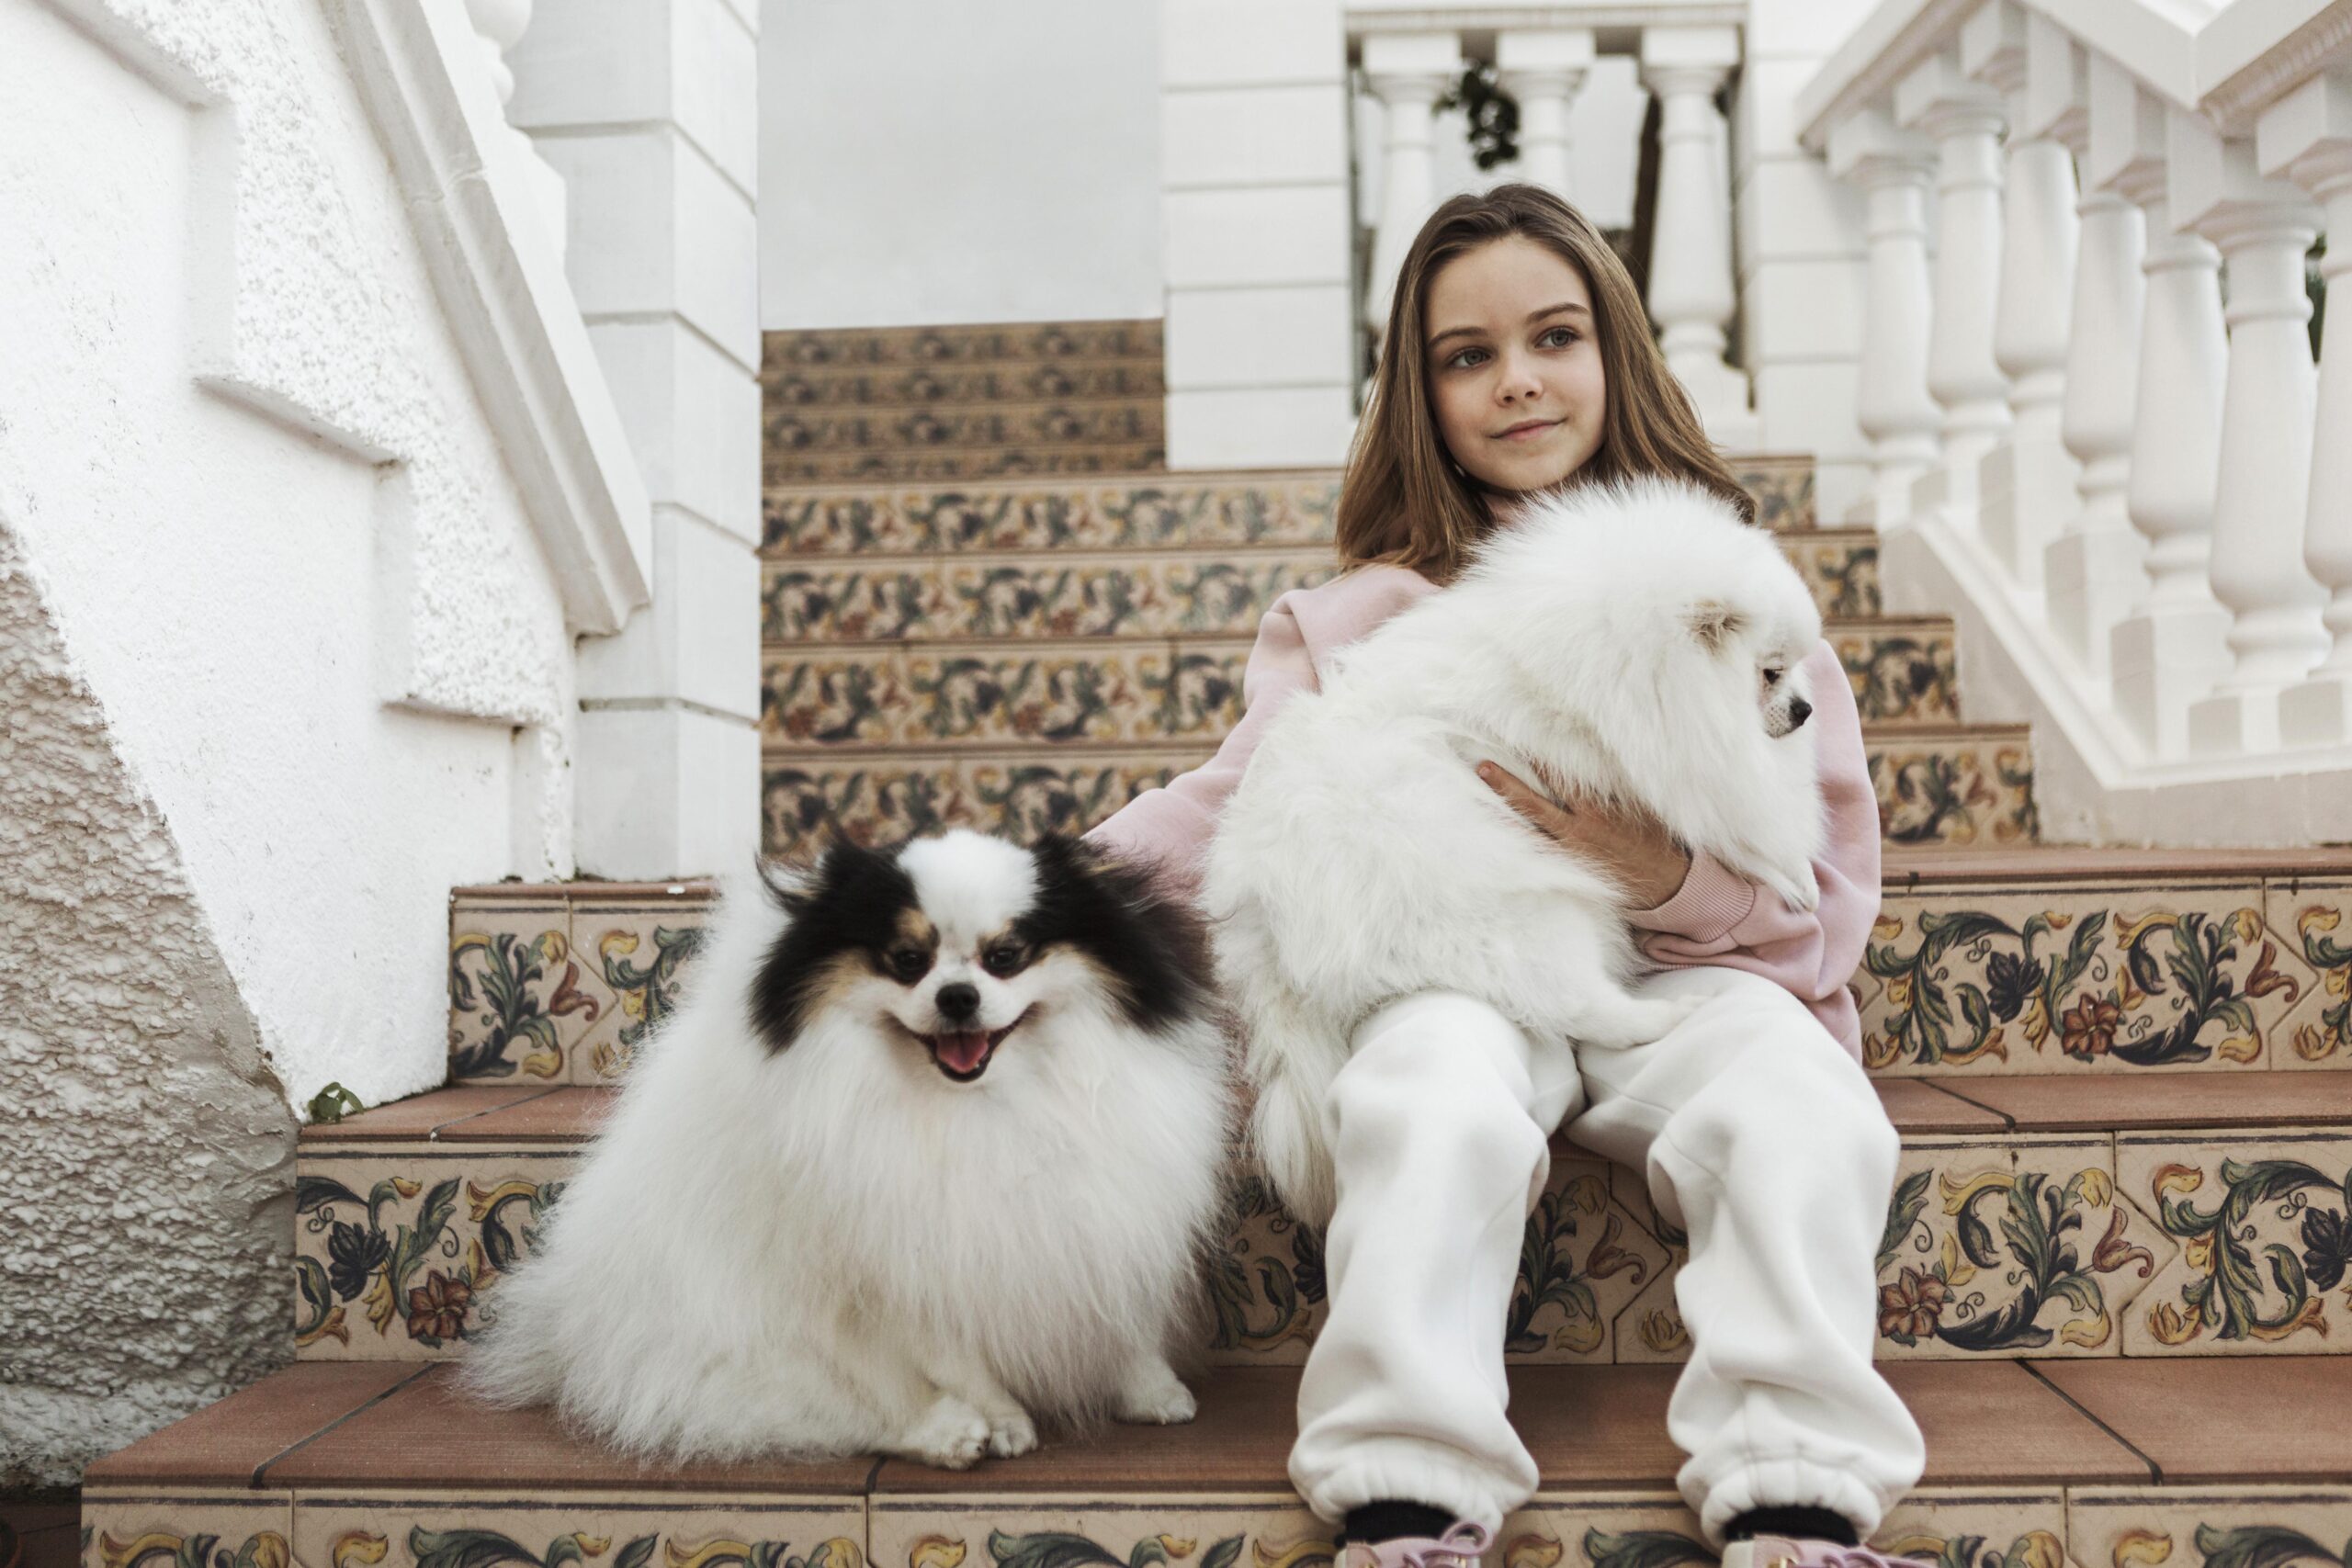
(1955, 789)
(1842, 572)
(196, 1528)
(2311, 921)
(1901, 672)
(2264, 1227)
(515, 1004)
(1042, 1530)
(641, 958)
(805, 602)
(394, 1530)
(2210, 1526)
(1960, 1529)
(1783, 487)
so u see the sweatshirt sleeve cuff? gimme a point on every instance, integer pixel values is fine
(1711, 901)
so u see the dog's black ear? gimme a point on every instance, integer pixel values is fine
(791, 884)
(1715, 624)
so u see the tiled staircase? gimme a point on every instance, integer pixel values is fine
(2114, 1277)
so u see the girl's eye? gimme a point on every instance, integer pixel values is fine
(1003, 959)
(1566, 334)
(909, 963)
(1462, 361)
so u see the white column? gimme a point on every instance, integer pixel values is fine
(2307, 136)
(498, 23)
(1964, 119)
(1690, 295)
(2095, 573)
(2026, 485)
(2169, 650)
(1408, 72)
(652, 111)
(1543, 69)
(1892, 168)
(2262, 227)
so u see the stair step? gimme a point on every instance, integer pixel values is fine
(1196, 508)
(2005, 1186)
(1138, 594)
(820, 432)
(2202, 1465)
(955, 465)
(935, 384)
(1137, 341)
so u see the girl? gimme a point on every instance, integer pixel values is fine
(1517, 356)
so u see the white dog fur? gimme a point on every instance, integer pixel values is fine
(1607, 644)
(832, 1248)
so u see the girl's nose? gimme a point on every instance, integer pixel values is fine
(1517, 381)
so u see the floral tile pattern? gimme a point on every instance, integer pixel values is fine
(1841, 565)
(794, 431)
(396, 1253)
(1900, 670)
(1269, 509)
(640, 955)
(2076, 978)
(2264, 1228)
(2313, 921)
(591, 1531)
(859, 386)
(1956, 788)
(1026, 1530)
(987, 344)
(1782, 486)
(190, 1528)
(2211, 1526)
(1960, 1528)
(814, 467)
(514, 994)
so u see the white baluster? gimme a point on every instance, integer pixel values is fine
(2263, 228)
(497, 25)
(2026, 485)
(2307, 135)
(1408, 72)
(1691, 295)
(2171, 648)
(2095, 573)
(1543, 69)
(1964, 120)
(1890, 401)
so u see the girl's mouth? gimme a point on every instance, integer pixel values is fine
(1528, 431)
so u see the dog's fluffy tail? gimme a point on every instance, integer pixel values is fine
(1292, 1057)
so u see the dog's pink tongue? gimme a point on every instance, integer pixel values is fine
(963, 1052)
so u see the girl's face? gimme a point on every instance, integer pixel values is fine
(1514, 365)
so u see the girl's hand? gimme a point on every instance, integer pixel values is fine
(1634, 847)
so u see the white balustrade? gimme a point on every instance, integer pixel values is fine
(2261, 228)
(498, 23)
(1890, 401)
(1543, 69)
(2026, 485)
(1691, 293)
(2308, 137)
(1407, 73)
(1964, 119)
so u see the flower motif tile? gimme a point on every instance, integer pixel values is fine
(365, 1530)
(783, 466)
(1025, 1531)
(1842, 571)
(517, 1005)
(809, 427)
(1900, 670)
(2263, 1226)
(832, 698)
(639, 957)
(1783, 487)
(811, 602)
(2313, 921)
(2216, 1526)
(1960, 1529)
(2074, 978)
(186, 1528)
(1956, 788)
(987, 344)
(791, 387)
(395, 1256)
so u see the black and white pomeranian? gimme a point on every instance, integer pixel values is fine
(932, 1152)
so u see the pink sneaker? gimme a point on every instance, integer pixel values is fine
(1457, 1548)
(1781, 1552)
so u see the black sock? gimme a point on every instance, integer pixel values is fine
(1390, 1521)
(1796, 1523)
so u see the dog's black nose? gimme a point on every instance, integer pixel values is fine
(1799, 711)
(959, 1000)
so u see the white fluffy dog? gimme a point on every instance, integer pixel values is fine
(931, 1154)
(1628, 645)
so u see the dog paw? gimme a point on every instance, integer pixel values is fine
(1012, 1435)
(1157, 1399)
(951, 1435)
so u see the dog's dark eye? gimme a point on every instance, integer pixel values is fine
(1004, 958)
(1772, 677)
(908, 964)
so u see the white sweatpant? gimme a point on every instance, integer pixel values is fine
(1758, 1134)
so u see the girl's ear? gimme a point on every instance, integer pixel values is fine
(1715, 624)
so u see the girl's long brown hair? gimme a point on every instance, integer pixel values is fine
(1403, 500)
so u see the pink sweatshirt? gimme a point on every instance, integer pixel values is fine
(1716, 917)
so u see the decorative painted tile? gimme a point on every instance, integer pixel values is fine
(2220, 1527)
(1842, 567)
(1782, 486)
(1294, 509)
(811, 429)
(2312, 920)
(395, 1253)
(1110, 596)
(187, 1527)
(1560, 1527)
(2264, 1225)
(2074, 978)
(877, 602)
(639, 958)
(1961, 787)
(1009, 382)
(987, 343)
(1900, 670)
(880, 800)
(596, 1530)
(1960, 1529)
(813, 466)
(1027, 1531)
(515, 1002)
(983, 695)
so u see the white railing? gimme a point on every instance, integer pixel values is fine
(2144, 497)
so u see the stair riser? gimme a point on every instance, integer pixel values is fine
(1014, 344)
(912, 518)
(815, 433)
(399, 1248)
(1961, 979)
(887, 389)
(1106, 595)
(988, 461)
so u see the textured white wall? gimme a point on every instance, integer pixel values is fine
(255, 497)
(935, 161)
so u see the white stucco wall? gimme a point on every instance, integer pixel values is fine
(279, 558)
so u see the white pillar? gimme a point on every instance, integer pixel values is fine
(2026, 485)
(1690, 291)
(1543, 69)
(1408, 72)
(2307, 136)
(2095, 573)
(2169, 650)
(1890, 401)
(652, 112)
(2263, 228)
(1964, 119)
(498, 23)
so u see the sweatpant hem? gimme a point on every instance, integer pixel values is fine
(1785, 1482)
(1406, 1470)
